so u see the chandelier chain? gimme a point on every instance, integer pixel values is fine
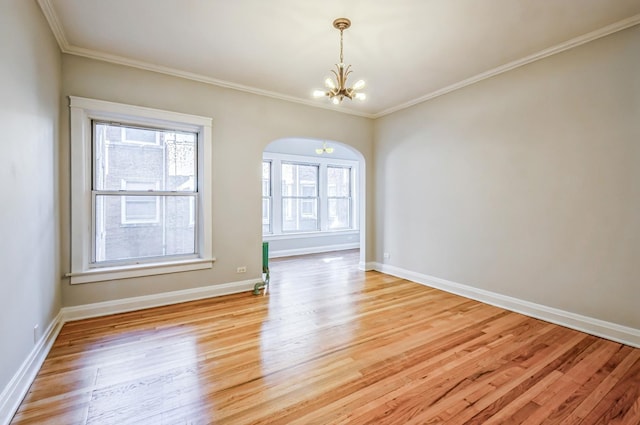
(341, 59)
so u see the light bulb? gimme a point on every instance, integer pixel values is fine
(319, 151)
(335, 101)
(361, 96)
(328, 150)
(319, 93)
(359, 85)
(329, 83)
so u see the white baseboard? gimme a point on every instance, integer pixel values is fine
(17, 388)
(156, 300)
(368, 266)
(590, 325)
(313, 250)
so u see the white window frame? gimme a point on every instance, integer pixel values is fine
(323, 162)
(348, 197)
(268, 198)
(83, 112)
(303, 200)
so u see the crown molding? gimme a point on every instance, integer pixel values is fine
(569, 44)
(65, 47)
(120, 60)
(54, 23)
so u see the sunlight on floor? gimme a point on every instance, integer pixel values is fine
(331, 259)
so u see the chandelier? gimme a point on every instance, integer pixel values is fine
(324, 149)
(337, 90)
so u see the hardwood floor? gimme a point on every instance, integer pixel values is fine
(332, 345)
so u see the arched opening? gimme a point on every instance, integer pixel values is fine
(313, 197)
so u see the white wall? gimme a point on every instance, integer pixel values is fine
(526, 184)
(243, 125)
(29, 218)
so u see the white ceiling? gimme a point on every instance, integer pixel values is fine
(406, 50)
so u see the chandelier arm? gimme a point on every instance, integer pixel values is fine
(340, 77)
(346, 75)
(347, 72)
(339, 85)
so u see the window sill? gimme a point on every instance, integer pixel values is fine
(303, 235)
(138, 270)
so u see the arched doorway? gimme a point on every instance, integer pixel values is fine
(314, 194)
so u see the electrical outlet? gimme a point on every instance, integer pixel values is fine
(35, 333)
(386, 255)
(242, 269)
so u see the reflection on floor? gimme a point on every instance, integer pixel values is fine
(332, 345)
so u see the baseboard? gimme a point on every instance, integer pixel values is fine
(590, 325)
(156, 300)
(17, 388)
(368, 266)
(313, 250)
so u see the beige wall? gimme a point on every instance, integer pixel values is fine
(526, 184)
(29, 219)
(243, 125)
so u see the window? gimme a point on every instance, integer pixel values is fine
(139, 181)
(339, 197)
(142, 193)
(300, 197)
(266, 197)
(308, 195)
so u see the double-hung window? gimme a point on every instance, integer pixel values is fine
(142, 194)
(339, 200)
(141, 202)
(266, 197)
(300, 197)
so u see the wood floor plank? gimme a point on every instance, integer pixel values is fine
(330, 344)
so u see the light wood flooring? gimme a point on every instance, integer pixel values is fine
(332, 345)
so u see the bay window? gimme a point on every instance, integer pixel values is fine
(308, 195)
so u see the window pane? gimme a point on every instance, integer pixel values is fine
(266, 178)
(299, 215)
(136, 154)
(299, 180)
(338, 181)
(140, 209)
(140, 135)
(266, 215)
(339, 213)
(139, 226)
